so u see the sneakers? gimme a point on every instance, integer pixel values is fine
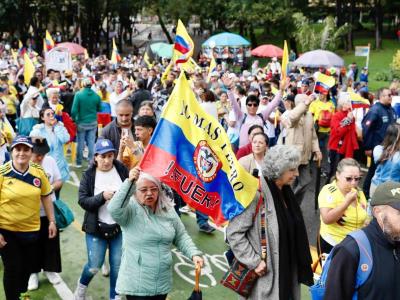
(80, 292)
(53, 277)
(33, 283)
(118, 297)
(206, 228)
(185, 209)
(105, 270)
(78, 166)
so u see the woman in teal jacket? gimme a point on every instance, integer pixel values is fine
(150, 226)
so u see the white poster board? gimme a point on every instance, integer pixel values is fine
(58, 59)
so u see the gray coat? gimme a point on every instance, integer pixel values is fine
(244, 237)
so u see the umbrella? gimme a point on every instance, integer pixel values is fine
(267, 51)
(196, 294)
(319, 58)
(73, 48)
(162, 49)
(225, 39)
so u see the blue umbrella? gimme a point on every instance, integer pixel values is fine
(162, 49)
(225, 39)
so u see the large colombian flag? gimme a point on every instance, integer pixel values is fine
(190, 152)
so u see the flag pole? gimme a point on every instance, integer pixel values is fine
(369, 51)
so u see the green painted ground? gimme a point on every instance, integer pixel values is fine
(73, 250)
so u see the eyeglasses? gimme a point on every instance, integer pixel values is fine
(49, 114)
(350, 179)
(252, 104)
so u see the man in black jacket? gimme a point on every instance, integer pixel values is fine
(384, 236)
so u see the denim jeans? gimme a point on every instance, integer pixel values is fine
(96, 248)
(201, 218)
(86, 133)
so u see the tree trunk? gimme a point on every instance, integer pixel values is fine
(162, 24)
(253, 38)
(350, 45)
(378, 24)
(339, 13)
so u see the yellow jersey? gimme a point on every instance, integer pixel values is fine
(353, 218)
(20, 197)
(316, 107)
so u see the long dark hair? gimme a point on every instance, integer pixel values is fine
(391, 142)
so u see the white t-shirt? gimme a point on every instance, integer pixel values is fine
(106, 181)
(49, 165)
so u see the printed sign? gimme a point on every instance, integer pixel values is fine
(59, 59)
(362, 51)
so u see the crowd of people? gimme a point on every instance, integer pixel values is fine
(102, 116)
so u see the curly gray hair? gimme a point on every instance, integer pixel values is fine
(279, 159)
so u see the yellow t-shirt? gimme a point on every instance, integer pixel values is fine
(353, 217)
(316, 107)
(11, 104)
(20, 197)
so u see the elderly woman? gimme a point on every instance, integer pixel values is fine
(150, 226)
(288, 259)
(29, 114)
(343, 206)
(343, 137)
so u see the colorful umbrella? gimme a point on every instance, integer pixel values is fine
(267, 51)
(73, 48)
(225, 39)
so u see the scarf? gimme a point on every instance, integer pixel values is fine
(294, 250)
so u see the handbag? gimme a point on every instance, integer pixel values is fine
(63, 214)
(239, 277)
(108, 231)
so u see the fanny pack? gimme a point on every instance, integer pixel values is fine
(108, 231)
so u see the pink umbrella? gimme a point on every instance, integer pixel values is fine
(74, 48)
(267, 51)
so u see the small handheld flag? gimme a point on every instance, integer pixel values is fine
(285, 61)
(323, 83)
(49, 41)
(357, 101)
(29, 69)
(115, 57)
(213, 67)
(184, 46)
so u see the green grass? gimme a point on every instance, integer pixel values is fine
(379, 60)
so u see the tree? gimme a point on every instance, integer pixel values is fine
(310, 37)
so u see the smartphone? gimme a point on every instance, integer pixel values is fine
(125, 132)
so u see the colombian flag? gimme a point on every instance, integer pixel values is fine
(190, 152)
(49, 41)
(184, 46)
(115, 57)
(212, 68)
(356, 100)
(285, 61)
(324, 83)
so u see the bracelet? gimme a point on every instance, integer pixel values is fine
(54, 222)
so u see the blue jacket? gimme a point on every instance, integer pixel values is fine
(389, 170)
(147, 239)
(56, 140)
(375, 124)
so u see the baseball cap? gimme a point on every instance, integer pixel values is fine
(387, 193)
(22, 140)
(103, 146)
(40, 146)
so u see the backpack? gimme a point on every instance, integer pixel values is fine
(265, 125)
(325, 117)
(364, 268)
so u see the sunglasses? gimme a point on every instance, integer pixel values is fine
(252, 104)
(350, 179)
(49, 114)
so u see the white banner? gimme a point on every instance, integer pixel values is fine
(362, 51)
(58, 59)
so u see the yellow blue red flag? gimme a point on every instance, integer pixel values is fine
(323, 83)
(190, 152)
(115, 57)
(357, 101)
(49, 41)
(183, 46)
